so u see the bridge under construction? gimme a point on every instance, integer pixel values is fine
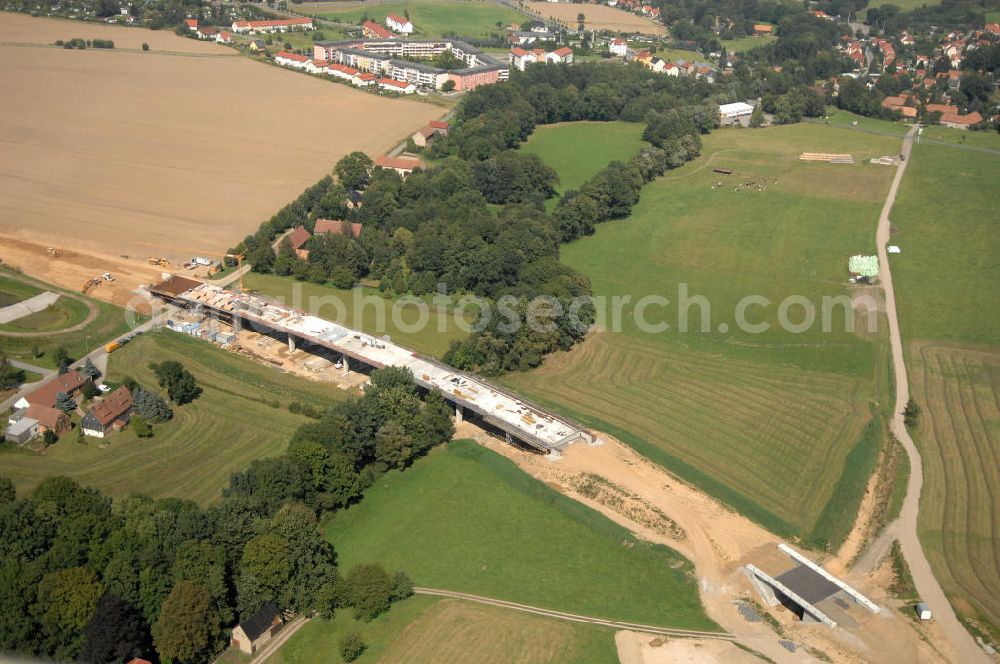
(518, 421)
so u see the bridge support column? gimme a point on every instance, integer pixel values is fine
(766, 591)
(459, 415)
(345, 365)
(291, 343)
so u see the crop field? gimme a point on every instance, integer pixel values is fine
(192, 455)
(763, 420)
(366, 310)
(110, 322)
(951, 334)
(579, 150)
(598, 17)
(464, 518)
(124, 155)
(431, 18)
(450, 630)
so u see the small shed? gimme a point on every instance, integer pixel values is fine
(22, 431)
(258, 629)
(923, 611)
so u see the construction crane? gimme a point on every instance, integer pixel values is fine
(239, 266)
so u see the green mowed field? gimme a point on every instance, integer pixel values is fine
(446, 631)
(839, 118)
(976, 139)
(110, 323)
(431, 18)
(763, 420)
(13, 290)
(422, 327)
(241, 416)
(464, 518)
(579, 150)
(747, 43)
(946, 279)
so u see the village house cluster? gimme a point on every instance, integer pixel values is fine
(619, 47)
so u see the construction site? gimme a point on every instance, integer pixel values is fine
(292, 340)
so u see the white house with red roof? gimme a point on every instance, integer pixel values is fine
(293, 60)
(192, 24)
(207, 33)
(363, 79)
(224, 37)
(618, 47)
(314, 66)
(562, 55)
(392, 85)
(399, 24)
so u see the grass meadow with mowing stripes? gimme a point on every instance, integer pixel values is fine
(766, 422)
(946, 280)
(375, 318)
(241, 416)
(464, 518)
(111, 322)
(431, 18)
(579, 150)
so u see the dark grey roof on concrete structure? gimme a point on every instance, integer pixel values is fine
(809, 585)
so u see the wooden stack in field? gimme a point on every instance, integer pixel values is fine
(828, 157)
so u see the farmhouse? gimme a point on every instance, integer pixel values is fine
(111, 412)
(619, 47)
(956, 121)
(275, 25)
(373, 30)
(337, 227)
(70, 383)
(402, 165)
(427, 134)
(738, 113)
(399, 24)
(297, 239)
(258, 629)
(49, 419)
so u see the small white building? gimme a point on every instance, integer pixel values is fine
(399, 24)
(562, 55)
(736, 113)
(619, 47)
(923, 611)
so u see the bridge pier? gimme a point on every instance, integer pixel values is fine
(459, 415)
(345, 365)
(291, 344)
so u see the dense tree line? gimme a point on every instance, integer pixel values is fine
(84, 577)
(476, 221)
(947, 15)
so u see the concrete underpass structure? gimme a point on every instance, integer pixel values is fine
(518, 421)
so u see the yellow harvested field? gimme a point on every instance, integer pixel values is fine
(599, 17)
(119, 152)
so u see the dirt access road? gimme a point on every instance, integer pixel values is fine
(965, 648)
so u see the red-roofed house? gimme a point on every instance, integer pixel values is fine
(392, 85)
(317, 66)
(337, 227)
(224, 37)
(297, 239)
(273, 25)
(562, 55)
(111, 412)
(956, 121)
(399, 24)
(362, 79)
(763, 29)
(49, 419)
(373, 30)
(206, 33)
(439, 126)
(994, 28)
(618, 47)
(191, 23)
(294, 60)
(402, 165)
(942, 108)
(70, 383)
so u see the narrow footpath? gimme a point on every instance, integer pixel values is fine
(965, 648)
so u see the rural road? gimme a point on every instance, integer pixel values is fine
(560, 615)
(965, 647)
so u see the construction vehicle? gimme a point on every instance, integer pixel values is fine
(239, 266)
(112, 346)
(107, 276)
(91, 283)
(51, 251)
(154, 260)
